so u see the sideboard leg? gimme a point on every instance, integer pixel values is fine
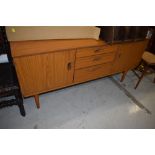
(36, 97)
(123, 76)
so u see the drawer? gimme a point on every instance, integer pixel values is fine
(84, 52)
(94, 60)
(93, 72)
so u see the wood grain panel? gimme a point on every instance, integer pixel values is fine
(31, 72)
(94, 60)
(84, 52)
(129, 55)
(39, 73)
(60, 68)
(26, 48)
(93, 72)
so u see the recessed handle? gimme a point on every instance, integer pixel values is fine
(69, 66)
(97, 50)
(119, 55)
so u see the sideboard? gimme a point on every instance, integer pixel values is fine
(47, 65)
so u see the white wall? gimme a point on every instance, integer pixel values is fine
(20, 33)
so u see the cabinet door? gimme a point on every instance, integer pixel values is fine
(60, 69)
(129, 55)
(123, 59)
(31, 72)
(44, 72)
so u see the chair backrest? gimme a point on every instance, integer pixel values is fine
(4, 44)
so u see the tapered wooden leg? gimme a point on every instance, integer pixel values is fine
(154, 80)
(36, 97)
(123, 76)
(141, 77)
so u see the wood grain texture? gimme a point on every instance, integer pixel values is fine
(39, 73)
(31, 72)
(94, 60)
(43, 66)
(60, 68)
(26, 48)
(93, 72)
(129, 55)
(84, 52)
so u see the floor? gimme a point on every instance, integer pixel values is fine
(103, 103)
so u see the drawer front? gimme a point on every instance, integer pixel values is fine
(85, 52)
(93, 72)
(94, 60)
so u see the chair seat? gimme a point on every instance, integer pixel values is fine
(149, 58)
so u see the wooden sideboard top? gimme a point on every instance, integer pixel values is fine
(25, 48)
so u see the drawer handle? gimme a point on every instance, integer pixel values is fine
(69, 66)
(97, 58)
(98, 50)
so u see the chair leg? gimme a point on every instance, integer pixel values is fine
(123, 76)
(141, 77)
(21, 108)
(20, 103)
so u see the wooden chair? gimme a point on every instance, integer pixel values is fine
(148, 60)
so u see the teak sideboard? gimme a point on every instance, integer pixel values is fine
(48, 65)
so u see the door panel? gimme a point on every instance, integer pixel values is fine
(60, 68)
(44, 72)
(129, 55)
(31, 72)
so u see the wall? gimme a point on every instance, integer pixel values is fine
(21, 33)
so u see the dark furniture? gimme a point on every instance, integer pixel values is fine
(9, 88)
(115, 34)
(151, 45)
